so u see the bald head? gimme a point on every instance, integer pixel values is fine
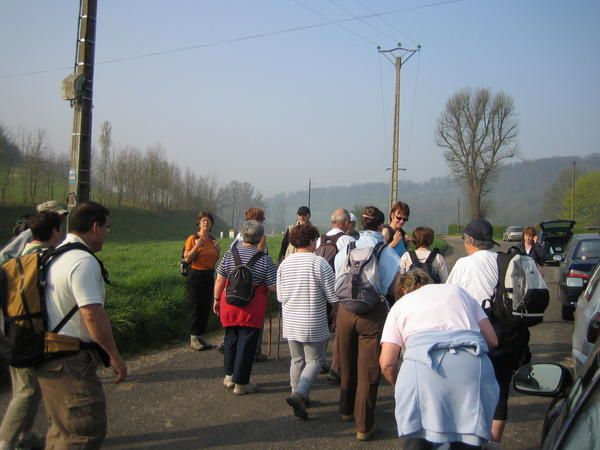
(340, 218)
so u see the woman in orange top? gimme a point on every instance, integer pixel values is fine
(201, 252)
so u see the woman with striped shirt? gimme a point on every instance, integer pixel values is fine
(305, 283)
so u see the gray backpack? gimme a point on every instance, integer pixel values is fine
(358, 282)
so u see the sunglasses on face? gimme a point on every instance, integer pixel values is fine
(401, 219)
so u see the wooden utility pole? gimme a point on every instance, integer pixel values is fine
(397, 52)
(81, 143)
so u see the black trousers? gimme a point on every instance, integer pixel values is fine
(238, 352)
(200, 284)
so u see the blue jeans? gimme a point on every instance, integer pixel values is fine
(307, 358)
(239, 347)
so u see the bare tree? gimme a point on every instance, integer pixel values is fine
(10, 156)
(478, 133)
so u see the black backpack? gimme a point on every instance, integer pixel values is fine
(22, 281)
(427, 266)
(521, 295)
(240, 286)
(328, 248)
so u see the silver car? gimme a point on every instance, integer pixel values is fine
(512, 234)
(587, 321)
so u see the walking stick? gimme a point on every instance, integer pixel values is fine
(278, 331)
(270, 329)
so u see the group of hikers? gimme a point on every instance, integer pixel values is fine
(385, 298)
(388, 300)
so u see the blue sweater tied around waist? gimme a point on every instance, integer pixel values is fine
(446, 389)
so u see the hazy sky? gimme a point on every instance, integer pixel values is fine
(314, 102)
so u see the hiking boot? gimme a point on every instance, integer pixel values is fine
(207, 345)
(31, 441)
(198, 344)
(221, 347)
(365, 436)
(297, 402)
(324, 368)
(333, 377)
(228, 382)
(260, 357)
(243, 389)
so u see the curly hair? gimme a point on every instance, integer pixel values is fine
(255, 214)
(411, 281)
(302, 234)
(371, 218)
(202, 215)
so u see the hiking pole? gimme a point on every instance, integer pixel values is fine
(278, 331)
(270, 329)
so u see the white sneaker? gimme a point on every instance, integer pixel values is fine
(243, 389)
(228, 382)
(195, 344)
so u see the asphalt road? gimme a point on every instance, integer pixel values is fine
(175, 399)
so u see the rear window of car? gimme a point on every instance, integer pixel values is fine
(588, 249)
(515, 229)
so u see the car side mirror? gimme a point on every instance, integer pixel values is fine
(542, 379)
(593, 329)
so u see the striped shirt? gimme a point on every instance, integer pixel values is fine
(305, 283)
(263, 271)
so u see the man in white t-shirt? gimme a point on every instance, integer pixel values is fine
(477, 273)
(73, 394)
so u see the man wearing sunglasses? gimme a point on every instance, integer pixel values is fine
(393, 233)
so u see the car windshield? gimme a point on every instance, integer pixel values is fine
(515, 229)
(588, 249)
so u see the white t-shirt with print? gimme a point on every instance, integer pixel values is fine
(433, 307)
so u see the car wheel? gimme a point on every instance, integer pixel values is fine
(566, 312)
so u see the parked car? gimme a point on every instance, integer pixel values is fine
(512, 234)
(572, 419)
(579, 259)
(554, 237)
(587, 321)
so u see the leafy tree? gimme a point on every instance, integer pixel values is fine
(587, 207)
(477, 131)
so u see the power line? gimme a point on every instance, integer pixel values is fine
(386, 22)
(363, 21)
(349, 30)
(239, 39)
(412, 118)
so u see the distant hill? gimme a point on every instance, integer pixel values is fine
(518, 196)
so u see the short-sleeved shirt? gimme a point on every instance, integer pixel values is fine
(74, 278)
(434, 307)
(207, 256)
(477, 274)
(263, 274)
